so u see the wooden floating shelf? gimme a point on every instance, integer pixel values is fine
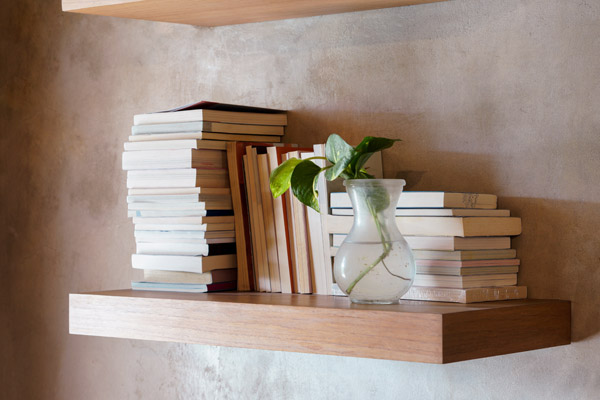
(225, 12)
(410, 331)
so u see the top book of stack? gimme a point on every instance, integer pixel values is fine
(215, 112)
(206, 121)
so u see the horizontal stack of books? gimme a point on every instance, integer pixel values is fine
(179, 195)
(461, 244)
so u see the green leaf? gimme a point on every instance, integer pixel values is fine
(281, 176)
(339, 153)
(371, 144)
(304, 183)
(367, 147)
(377, 198)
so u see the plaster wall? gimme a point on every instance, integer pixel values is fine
(488, 96)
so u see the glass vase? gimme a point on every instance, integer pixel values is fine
(374, 264)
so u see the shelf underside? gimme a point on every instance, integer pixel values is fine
(225, 12)
(410, 331)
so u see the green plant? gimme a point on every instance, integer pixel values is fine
(346, 162)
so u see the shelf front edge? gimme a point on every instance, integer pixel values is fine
(405, 336)
(493, 332)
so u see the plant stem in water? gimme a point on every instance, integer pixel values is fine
(386, 251)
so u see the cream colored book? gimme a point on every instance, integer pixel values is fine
(177, 178)
(465, 282)
(441, 226)
(159, 236)
(178, 198)
(446, 243)
(280, 230)
(429, 200)
(269, 223)
(229, 137)
(174, 159)
(200, 205)
(175, 144)
(299, 244)
(231, 117)
(259, 253)
(227, 219)
(215, 276)
(183, 263)
(185, 227)
(463, 271)
(473, 295)
(468, 263)
(458, 255)
(204, 191)
(452, 243)
(435, 212)
(185, 249)
(207, 126)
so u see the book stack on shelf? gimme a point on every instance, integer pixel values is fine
(461, 243)
(179, 196)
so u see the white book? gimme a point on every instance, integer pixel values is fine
(178, 198)
(208, 191)
(183, 263)
(161, 235)
(177, 178)
(465, 282)
(184, 220)
(201, 205)
(193, 115)
(175, 144)
(473, 295)
(174, 159)
(435, 212)
(229, 137)
(458, 255)
(181, 249)
(184, 227)
(440, 226)
(207, 126)
(182, 287)
(321, 284)
(173, 213)
(429, 200)
(167, 239)
(446, 243)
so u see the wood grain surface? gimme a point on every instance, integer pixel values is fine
(410, 331)
(225, 12)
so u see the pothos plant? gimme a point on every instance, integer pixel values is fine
(345, 162)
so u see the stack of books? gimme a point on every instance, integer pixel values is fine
(461, 243)
(287, 243)
(179, 195)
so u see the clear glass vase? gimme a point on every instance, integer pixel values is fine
(374, 264)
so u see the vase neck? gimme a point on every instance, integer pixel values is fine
(374, 201)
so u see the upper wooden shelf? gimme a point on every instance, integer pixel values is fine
(225, 12)
(410, 331)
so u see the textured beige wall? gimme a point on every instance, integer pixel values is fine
(489, 96)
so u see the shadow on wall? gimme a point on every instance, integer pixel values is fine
(560, 255)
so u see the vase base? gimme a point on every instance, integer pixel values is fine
(357, 301)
